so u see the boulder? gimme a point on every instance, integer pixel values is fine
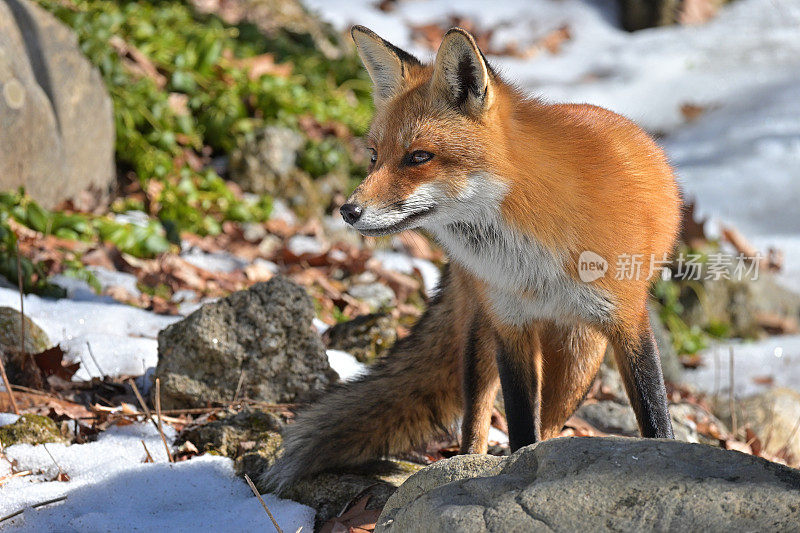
(599, 484)
(56, 117)
(366, 337)
(257, 344)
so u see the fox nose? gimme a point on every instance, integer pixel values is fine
(350, 213)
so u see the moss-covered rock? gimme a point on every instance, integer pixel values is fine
(366, 337)
(248, 431)
(329, 493)
(31, 429)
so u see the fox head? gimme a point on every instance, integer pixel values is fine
(430, 138)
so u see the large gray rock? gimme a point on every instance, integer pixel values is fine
(259, 341)
(599, 484)
(56, 118)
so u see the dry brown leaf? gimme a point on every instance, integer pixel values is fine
(51, 363)
(356, 518)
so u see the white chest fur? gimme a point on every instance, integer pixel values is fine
(527, 282)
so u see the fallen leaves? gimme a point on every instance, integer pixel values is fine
(356, 519)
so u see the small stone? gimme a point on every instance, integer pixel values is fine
(303, 244)
(329, 493)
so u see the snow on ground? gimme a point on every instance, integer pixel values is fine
(112, 489)
(645, 75)
(776, 358)
(122, 338)
(345, 365)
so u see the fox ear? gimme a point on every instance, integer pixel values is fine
(460, 73)
(387, 65)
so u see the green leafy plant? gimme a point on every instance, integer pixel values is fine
(142, 240)
(180, 84)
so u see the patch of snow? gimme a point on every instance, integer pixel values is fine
(8, 418)
(111, 489)
(78, 290)
(304, 244)
(320, 326)
(406, 264)
(122, 338)
(345, 365)
(281, 211)
(495, 435)
(137, 218)
(184, 295)
(111, 278)
(777, 358)
(214, 261)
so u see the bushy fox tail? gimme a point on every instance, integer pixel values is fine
(409, 396)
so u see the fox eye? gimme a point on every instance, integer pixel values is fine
(373, 156)
(417, 157)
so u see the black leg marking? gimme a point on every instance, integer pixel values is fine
(640, 367)
(522, 396)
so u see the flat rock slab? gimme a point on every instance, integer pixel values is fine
(599, 484)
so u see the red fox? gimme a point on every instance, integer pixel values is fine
(517, 192)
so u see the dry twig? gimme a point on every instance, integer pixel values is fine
(42, 504)
(263, 503)
(91, 354)
(149, 457)
(158, 415)
(149, 415)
